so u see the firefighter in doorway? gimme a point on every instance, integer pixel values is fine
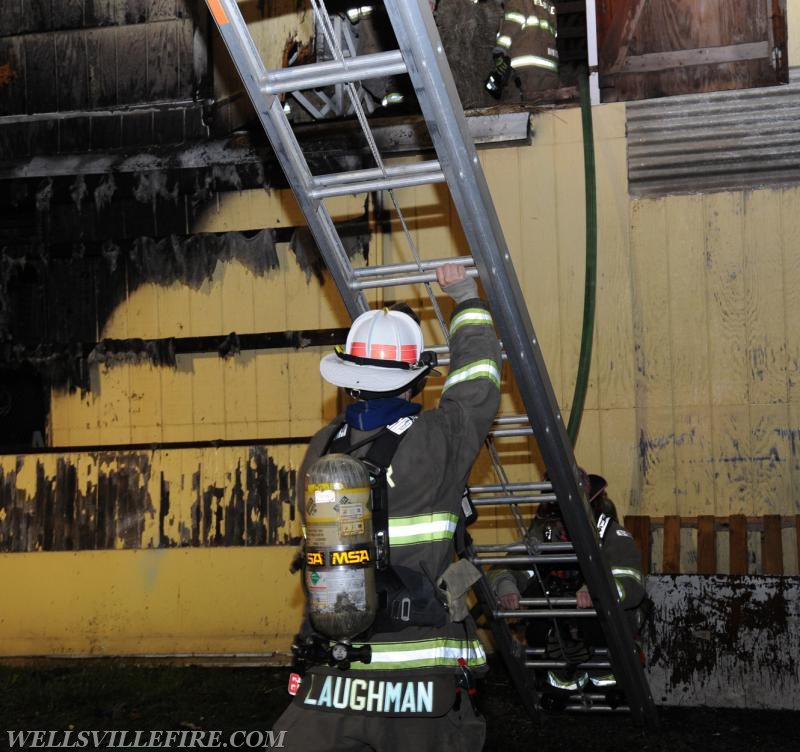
(574, 640)
(525, 52)
(406, 682)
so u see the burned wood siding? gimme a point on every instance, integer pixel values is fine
(98, 500)
(656, 49)
(71, 67)
(724, 641)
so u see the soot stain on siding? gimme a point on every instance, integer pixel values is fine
(254, 506)
(701, 631)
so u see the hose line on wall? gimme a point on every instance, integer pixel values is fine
(590, 191)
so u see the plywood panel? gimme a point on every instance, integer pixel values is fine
(726, 303)
(764, 288)
(694, 471)
(613, 357)
(650, 282)
(656, 455)
(539, 275)
(790, 224)
(687, 301)
(731, 458)
(771, 476)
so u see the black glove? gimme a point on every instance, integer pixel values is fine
(499, 76)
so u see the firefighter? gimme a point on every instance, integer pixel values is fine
(407, 682)
(525, 50)
(574, 639)
(374, 33)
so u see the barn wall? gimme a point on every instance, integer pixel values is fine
(692, 405)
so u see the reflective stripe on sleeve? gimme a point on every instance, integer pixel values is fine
(470, 316)
(480, 369)
(421, 528)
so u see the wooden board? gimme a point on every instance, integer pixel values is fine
(673, 47)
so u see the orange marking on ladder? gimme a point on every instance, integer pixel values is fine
(218, 12)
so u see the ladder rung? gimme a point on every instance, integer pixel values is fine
(406, 274)
(546, 613)
(375, 179)
(520, 548)
(494, 500)
(330, 72)
(386, 269)
(596, 653)
(498, 488)
(564, 664)
(512, 560)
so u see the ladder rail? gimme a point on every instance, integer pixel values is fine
(435, 88)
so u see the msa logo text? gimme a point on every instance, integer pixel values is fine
(359, 556)
(315, 559)
(355, 557)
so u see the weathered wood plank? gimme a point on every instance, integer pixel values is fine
(68, 14)
(706, 544)
(738, 544)
(671, 560)
(131, 77)
(772, 545)
(12, 76)
(37, 15)
(661, 61)
(163, 65)
(72, 71)
(40, 72)
(101, 59)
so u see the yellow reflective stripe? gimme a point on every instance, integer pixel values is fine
(474, 316)
(480, 369)
(514, 17)
(440, 651)
(421, 528)
(571, 684)
(503, 40)
(533, 61)
(630, 572)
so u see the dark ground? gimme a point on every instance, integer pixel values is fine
(107, 695)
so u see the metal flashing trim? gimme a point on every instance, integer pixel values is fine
(720, 141)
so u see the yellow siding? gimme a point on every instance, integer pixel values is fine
(692, 405)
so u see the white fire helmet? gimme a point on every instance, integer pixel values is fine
(383, 355)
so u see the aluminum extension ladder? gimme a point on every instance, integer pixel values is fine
(422, 57)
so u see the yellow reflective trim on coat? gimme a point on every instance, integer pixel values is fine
(422, 528)
(533, 61)
(470, 316)
(480, 369)
(437, 651)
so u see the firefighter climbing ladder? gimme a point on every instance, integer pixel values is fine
(422, 57)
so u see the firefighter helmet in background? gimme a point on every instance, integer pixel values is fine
(599, 502)
(382, 357)
(340, 551)
(548, 520)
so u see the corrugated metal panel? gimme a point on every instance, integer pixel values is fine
(701, 143)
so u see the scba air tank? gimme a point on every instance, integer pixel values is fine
(340, 559)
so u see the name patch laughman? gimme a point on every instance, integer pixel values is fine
(372, 695)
